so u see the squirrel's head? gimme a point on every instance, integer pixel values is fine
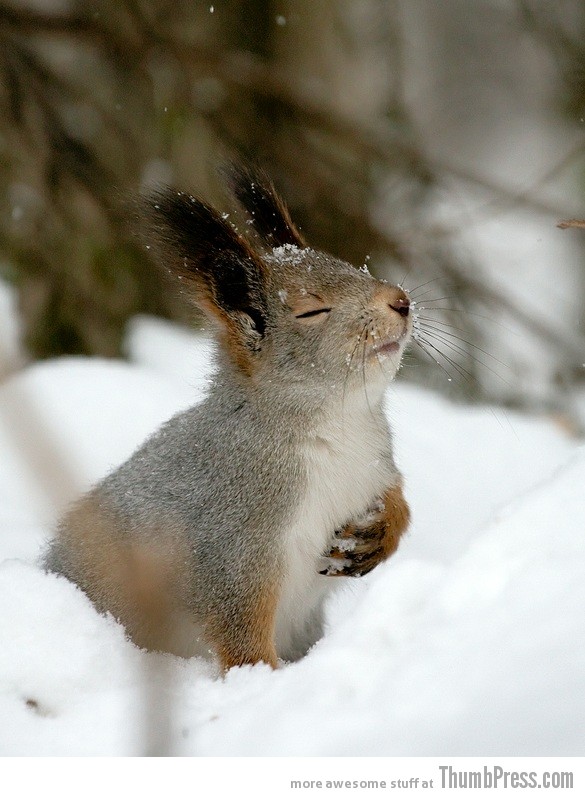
(286, 315)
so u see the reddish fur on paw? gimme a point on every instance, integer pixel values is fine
(375, 540)
(396, 519)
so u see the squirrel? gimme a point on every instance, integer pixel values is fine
(226, 530)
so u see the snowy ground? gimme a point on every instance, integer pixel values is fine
(468, 642)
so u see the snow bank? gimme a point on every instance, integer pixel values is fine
(468, 642)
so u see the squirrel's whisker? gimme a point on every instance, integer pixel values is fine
(431, 323)
(439, 336)
(412, 291)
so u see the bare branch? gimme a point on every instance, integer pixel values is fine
(564, 225)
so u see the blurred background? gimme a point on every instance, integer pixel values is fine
(440, 143)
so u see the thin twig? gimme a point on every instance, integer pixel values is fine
(564, 225)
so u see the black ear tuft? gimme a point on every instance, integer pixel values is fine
(269, 215)
(219, 268)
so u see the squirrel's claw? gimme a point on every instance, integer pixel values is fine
(352, 563)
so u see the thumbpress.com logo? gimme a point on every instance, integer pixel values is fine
(497, 777)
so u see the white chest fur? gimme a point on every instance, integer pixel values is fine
(349, 464)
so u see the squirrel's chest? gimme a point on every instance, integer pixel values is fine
(345, 471)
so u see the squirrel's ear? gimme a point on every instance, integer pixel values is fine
(219, 270)
(268, 213)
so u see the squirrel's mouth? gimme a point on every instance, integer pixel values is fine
(389, 346)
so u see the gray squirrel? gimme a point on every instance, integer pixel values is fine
(225, 531)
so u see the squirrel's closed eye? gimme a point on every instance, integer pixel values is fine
(312, 313)
(310, 308)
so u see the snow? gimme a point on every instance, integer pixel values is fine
(467, 642)
(289, 253)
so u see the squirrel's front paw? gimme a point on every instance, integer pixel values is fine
(358, 547)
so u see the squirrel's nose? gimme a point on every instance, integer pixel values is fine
(400, 302)
(391, 297)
